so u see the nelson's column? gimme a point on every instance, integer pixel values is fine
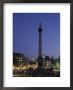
(40, 59)
(39, 70)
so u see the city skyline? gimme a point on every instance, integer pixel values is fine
(25, 33)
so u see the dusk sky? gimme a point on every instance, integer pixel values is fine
(25, 33)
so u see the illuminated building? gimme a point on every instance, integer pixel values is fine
(19, 59)
(56, 65)
(47, 62)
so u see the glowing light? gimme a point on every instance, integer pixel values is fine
(43, 57)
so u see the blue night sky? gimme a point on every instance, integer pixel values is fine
(25, 33)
